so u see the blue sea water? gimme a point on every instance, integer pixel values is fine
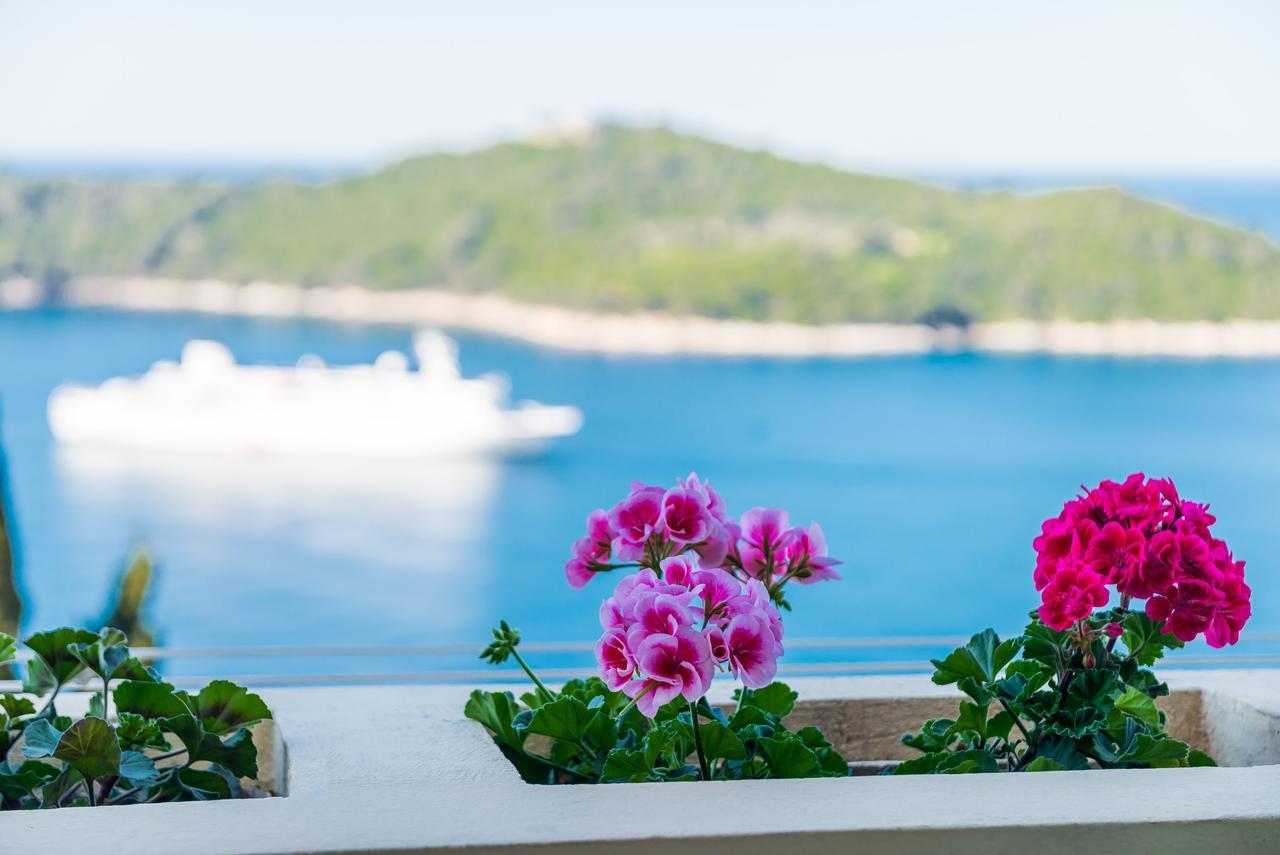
(930, 475)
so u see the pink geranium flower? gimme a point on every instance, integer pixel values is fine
(685, 517)
(636, 519)
(752, 652)
(704, 593)
(680, 569)
(763, 530)
(617, 665)
(590, 553)
(655, 611)
(805, 552)
(670, 666)
(716, 588)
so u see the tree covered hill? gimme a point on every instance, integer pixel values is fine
(651, 219)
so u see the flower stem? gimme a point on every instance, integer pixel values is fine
(697, 742)
(623, 713)
(532, 676)
(1016, 721)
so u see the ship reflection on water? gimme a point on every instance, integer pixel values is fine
(245, 542)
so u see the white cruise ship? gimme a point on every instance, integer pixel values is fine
(206, 403)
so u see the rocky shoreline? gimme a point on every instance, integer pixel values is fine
(651, 333)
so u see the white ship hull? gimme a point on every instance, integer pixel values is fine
(209, 405)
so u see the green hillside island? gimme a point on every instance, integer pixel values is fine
(650, 219)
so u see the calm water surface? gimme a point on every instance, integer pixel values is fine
(929, 474)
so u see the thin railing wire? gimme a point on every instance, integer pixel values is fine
(499, 675)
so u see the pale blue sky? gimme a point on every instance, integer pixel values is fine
(1077, 86)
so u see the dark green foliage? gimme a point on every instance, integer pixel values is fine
(1072, 699)
(586, 733)
(648, 219)
(145, 755)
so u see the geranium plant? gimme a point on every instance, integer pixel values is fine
(142, 740)
(702, 597)
(1076, 689)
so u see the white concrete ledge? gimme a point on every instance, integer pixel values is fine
(398, 769)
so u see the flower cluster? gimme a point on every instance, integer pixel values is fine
(1142, 539)
(704, 594)
(652, 524)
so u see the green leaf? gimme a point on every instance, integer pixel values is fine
(188, 730)
(533, 770)
(1199, 758)
(496, 711)
(982, 659)
(789, 757)
(7, 647)
(136, 731)
(91, 748)
(57, 664)
(1061, 751)
(1044, 764)
(830, 760)
(150, 700)
(204, 785)
(1094, 689)
(630, 765)
(1157, 751)
(1046, 646)
(973, 719)
(975, 689)
(948, 763)
(750, 716)
(932, 736)
(1025, 678)
(999, 726)
(41, 738)
(237, 753)
(776, 699)
(1138, 705)
(1145, 640)
(721, 743)
(102, 655)
(222, 706)
(15, 706)
(137, 767)
(564, 718)
(23, 781)
(536, 698)
(601, 732)
(52, 792)
(660, 756)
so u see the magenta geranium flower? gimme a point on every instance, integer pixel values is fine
(1072, 595)
(1143, 539)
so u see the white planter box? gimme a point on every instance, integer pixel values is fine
(398, 769)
